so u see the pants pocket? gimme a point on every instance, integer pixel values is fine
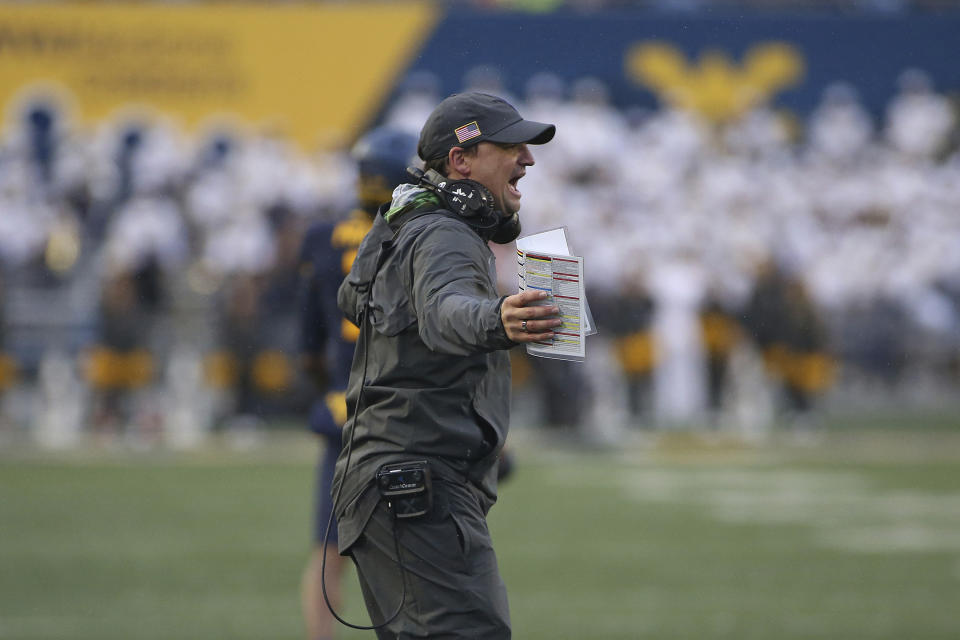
(463, 534)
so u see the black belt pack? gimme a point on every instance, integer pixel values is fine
(406, 487)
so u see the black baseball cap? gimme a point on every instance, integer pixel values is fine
(464, 119)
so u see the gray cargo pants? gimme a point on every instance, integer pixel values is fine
(454, 589)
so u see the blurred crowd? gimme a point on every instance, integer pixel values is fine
(148, 279)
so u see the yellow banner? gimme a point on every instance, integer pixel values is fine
(308, 71)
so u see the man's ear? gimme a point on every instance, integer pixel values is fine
(458, 162)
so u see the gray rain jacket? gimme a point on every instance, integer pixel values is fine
(433, 354)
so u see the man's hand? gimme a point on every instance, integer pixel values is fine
(526, 319)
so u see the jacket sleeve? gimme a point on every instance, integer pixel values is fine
(453, 289)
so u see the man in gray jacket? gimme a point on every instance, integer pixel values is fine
(430, 381)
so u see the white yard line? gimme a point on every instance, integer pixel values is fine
(842, 510)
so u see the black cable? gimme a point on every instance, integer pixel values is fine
(346, 467)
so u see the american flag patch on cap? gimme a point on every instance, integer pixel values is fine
(467, 131)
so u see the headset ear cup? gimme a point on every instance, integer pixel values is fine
(484, 195)
(475, 204)
(468, 198)
(507, 230)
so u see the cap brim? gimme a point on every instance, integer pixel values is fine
(524, 131)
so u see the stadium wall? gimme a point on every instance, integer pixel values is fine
(791, 58)
(309, 70)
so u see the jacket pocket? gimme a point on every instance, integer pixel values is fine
(391, 311)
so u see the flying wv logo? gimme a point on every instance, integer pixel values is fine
(715, 87)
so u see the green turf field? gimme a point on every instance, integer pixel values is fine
(855, 537)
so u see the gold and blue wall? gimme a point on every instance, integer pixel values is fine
(302, 70)
(309, 70)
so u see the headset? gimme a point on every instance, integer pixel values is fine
(473, 203)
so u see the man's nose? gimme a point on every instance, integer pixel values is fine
(526, 156)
